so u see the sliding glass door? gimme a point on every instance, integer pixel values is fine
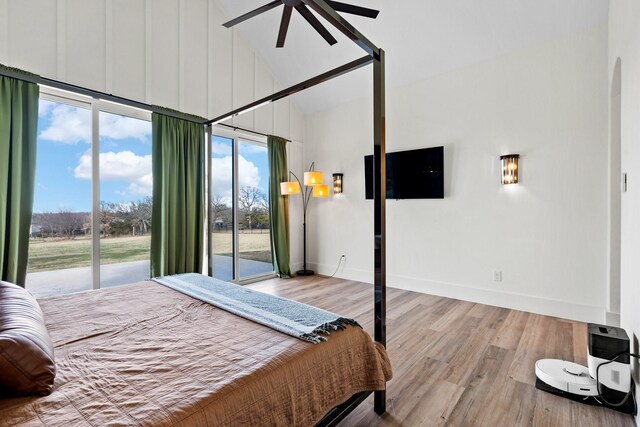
(91, 226)
(254, 245)
(60, 246)
(221, 218)
(239, 208)
(126, 186)
(91, 219)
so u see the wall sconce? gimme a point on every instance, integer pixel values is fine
(509, 163)
(337, 183)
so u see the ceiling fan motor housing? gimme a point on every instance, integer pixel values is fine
(301, 7)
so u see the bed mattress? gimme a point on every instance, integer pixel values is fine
(144, 354)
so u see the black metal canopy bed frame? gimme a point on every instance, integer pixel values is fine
(376, 57)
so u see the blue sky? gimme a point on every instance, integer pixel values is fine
(253, 167)
(63, 163)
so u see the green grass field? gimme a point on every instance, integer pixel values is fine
(255, 246)
(45, 255)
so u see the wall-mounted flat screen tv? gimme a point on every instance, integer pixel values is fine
(413, 174)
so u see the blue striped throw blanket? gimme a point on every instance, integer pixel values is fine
(290, 317)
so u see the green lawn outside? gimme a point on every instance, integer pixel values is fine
(255, 246)
(46, 255)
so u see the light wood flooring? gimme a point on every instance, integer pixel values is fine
(455, 362)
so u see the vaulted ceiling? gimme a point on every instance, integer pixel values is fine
(421, 38)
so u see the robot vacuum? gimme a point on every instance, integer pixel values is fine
(566, 376)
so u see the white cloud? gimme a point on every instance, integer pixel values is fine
(44, 107)
(70, 125)
(221, 182)
(249, 176)
(143, 185)
(123, 166)
(248, 148)
(220, 149)
(118, 127)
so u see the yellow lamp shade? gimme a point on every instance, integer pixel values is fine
(320, 191)
(312, 178)
(289, 187)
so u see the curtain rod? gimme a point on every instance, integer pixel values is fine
(95, 94)
(247, 130)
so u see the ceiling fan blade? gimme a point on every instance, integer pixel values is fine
(284, 25)
(253, 13)
(315, 23)
(354, 10)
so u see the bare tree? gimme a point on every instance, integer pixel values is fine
(139, 214)
(220, 212)
(263, 202)
(250, 199)
(70, 222)
(115, 219)
(46, 223)
(218, 206)
(261, 213)
(106, 216)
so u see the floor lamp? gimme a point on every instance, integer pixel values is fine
(313, 187)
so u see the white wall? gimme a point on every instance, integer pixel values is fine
(548, 235)
(173, 53)
(296, 153)
(624, 43)
(615, 198)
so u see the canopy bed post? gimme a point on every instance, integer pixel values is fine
(210, 218)
(375, 55)
(379, 203)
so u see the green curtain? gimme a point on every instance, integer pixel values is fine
(278, 205)
(178, 159)
(18, 133)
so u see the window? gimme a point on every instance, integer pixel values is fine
(126, 186)
(239, 208)
(221, 217)
(60, 239)
(254, 238)
(74, 195)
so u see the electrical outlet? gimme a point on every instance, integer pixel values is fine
(497, 276)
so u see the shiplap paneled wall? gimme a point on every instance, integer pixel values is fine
(173, 53)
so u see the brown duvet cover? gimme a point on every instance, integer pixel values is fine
(144, 354)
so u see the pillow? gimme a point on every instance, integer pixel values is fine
(27, 365)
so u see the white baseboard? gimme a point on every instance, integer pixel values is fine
(295, 266)
(528, 303)
(343, 272)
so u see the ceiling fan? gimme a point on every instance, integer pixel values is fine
(298, 5)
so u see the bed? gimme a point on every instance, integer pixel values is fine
(145, 354)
